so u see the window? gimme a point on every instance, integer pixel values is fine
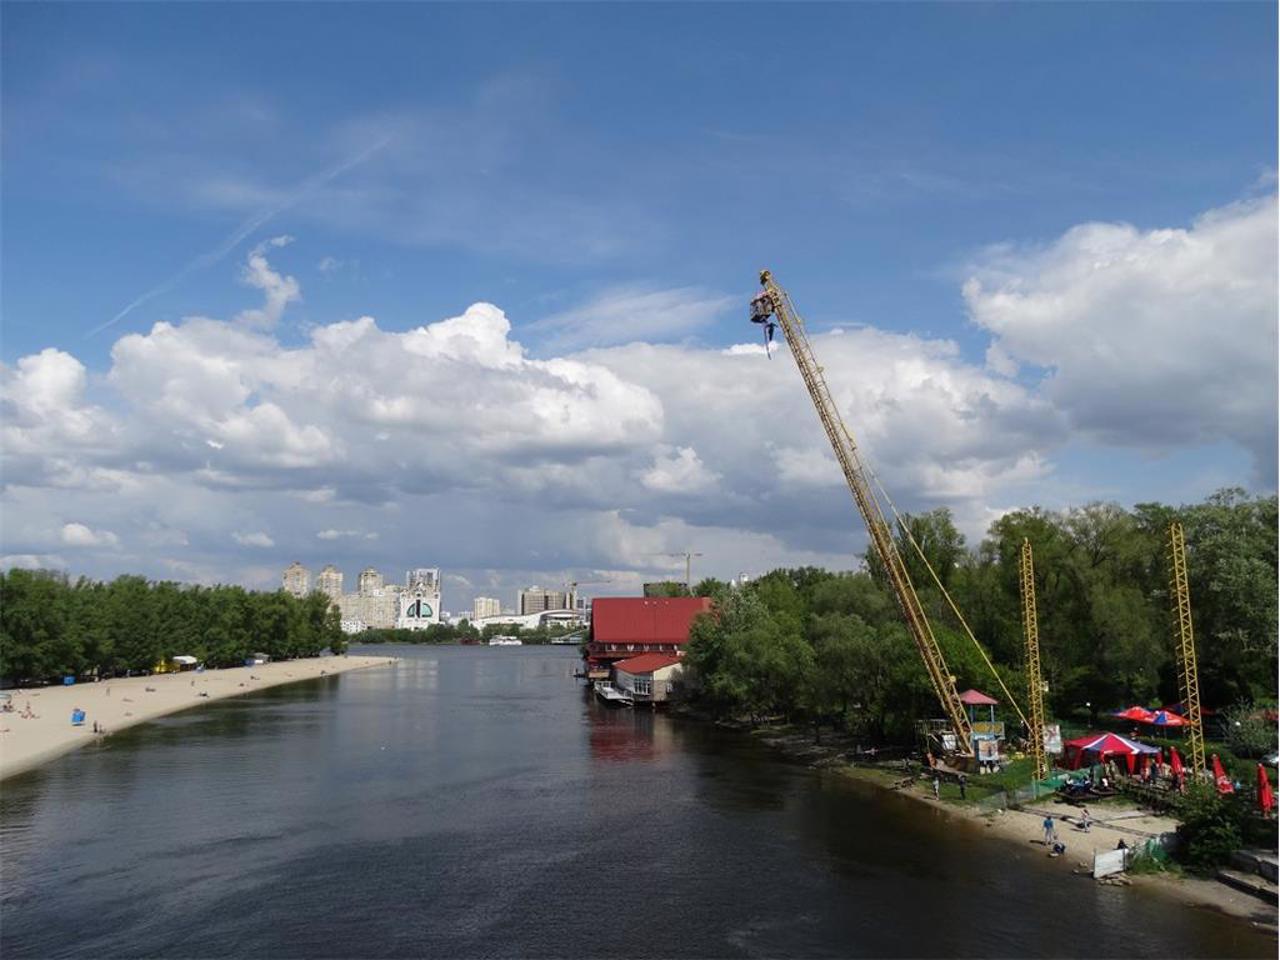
(642, 685)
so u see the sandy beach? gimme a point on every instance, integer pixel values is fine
(28, 741)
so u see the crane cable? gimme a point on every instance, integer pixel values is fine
(951, 603)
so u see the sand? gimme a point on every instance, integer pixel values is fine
(1112, 822)
(26, 742)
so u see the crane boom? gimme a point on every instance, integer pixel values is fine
(1188, 673)
(1031, 631)
(774, 302)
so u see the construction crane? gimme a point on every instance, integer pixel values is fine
(1188, 673)
(1031, 631)
(688, 567)
(571, 590)
(773, 307)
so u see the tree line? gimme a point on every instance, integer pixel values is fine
(52, 627)
(832, 647)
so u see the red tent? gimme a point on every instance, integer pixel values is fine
(1103, 746)
(1220, 777)
(976, 698)
(1265, 799)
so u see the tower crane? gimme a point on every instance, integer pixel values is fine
(688, 567)
(1031, 631)
(772, 308)
(1188, 673)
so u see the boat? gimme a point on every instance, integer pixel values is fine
(610, 695)
(505, 642)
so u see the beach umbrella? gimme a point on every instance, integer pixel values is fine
(1166, 718)
(1220, 777)
(1139, 714)
(1265, 799)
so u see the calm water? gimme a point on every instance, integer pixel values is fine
(472, 802)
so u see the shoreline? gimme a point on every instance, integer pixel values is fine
(1019, 829)
(117, 704)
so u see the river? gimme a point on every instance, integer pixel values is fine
(474, 802)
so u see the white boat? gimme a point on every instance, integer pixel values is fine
(610, 695)
(505, 642)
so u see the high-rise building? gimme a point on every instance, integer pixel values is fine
(486, 607)
(296, 580)
(420, 599)
(329, 582)
(369, 583)
(537, 600)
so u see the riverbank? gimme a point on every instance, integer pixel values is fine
(39, 728)
(1023, 828)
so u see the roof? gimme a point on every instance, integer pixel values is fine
(1106, 743)
(976, 698)
(645, 619)
(646, 663)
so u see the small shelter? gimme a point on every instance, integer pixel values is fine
(1100, 747)
(988, 733)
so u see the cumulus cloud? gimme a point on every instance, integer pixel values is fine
(79, 535)
(453, 444)
(1150, 338)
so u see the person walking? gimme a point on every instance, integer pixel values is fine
(963, 780)
(937, 786)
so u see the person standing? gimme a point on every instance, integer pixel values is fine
(963, 780)
(1048, 830)
(937, 787)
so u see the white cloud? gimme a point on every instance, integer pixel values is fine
(79, 535)
(1154, 338)
(278, 290)
(451, 444)
(630, 314)
(679, 471)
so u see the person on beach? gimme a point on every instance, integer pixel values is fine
(937, 786)
(1049, 831)
(963, 780)
(1086, 821)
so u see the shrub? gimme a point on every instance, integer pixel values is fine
(1210, 828)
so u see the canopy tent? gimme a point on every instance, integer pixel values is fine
(1140, 714)
(185, 660)
(1166, 718)
(1104, 746)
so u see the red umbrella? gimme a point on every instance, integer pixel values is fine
(1139, 714)
(1220, 777)
(1166, 718)
(1265, 800)
(1175, 761)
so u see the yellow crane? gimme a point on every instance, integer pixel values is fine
(773, 307)
(1188, 673)
(1031, 631)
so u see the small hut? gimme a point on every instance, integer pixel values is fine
(988, 733)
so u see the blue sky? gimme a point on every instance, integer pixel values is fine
(607, 173)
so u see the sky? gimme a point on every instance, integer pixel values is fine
(466, 286)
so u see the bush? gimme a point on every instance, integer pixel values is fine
(1249, 733)
(1211, 827)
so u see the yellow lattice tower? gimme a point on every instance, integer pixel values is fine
(774, 302)
(1031, 631)
(1188, 674)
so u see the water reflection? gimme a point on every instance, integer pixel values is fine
(473, 802)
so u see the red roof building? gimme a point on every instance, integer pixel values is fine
(623, 627)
